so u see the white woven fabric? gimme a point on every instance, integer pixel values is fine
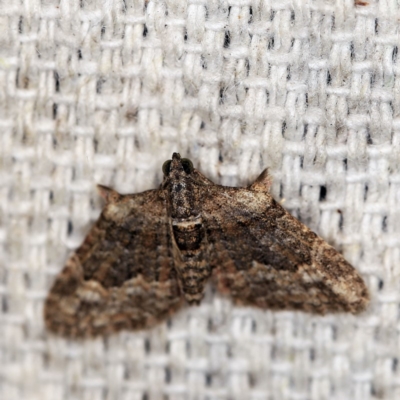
(104, 92)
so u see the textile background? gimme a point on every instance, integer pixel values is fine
(104, 92)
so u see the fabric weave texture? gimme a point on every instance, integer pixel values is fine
(104, 91)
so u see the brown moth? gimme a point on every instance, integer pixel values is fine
(151, 252)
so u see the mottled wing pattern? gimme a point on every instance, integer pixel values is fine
(263, 256)
(122, 276)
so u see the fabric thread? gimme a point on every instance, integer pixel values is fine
(104, 92)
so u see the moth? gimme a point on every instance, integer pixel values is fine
(151, 252)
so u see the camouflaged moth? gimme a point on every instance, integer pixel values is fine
(151, 252)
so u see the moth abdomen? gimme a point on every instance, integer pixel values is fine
(193, 277)
(194, 271)
(188, 236)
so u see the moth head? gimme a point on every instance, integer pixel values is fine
(177, 165)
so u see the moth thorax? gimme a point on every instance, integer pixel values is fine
(183, 200)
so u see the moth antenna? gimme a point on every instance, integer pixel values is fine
(108, 194)
(262, 183)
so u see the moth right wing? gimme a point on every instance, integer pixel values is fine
(263, 256)
(122, 276)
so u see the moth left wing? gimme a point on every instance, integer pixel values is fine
(122, 276)
(263, 256)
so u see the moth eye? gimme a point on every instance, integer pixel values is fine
(187, 165)
(166, 168)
